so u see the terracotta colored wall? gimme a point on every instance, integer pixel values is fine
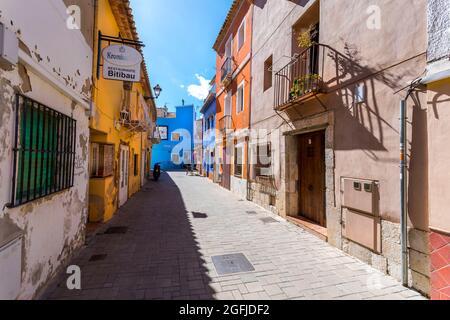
(241, 61)
(440, 266)
(240, 120)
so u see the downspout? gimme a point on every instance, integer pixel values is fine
(250, 109)
(403, 190)
(404, 181)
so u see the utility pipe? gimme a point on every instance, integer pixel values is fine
(404, 180)
(403, 190)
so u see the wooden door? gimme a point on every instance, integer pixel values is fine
(312, 177)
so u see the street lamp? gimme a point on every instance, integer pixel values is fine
(157, 91)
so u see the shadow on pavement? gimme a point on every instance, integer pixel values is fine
(157, 258)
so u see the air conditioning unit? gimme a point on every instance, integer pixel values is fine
(10, 260)
(9, 46)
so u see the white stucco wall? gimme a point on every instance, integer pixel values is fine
(55, 68)
(438, 29)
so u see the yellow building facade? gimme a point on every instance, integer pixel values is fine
(122, 122)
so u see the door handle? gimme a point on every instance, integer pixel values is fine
(311, 187)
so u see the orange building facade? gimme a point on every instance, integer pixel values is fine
(233, 47)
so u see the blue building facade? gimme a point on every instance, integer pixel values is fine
(209, 134)
(177, 138)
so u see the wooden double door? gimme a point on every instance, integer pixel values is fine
(311, 165)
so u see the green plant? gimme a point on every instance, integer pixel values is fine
(304, 39)
(303, 85)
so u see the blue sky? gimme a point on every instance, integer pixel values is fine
(179, 35)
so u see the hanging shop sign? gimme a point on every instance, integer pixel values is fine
(122, 63)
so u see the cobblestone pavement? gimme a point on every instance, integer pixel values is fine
(176, 226)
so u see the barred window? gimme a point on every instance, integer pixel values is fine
(44, 151)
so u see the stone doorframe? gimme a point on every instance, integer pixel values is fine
(324, 121)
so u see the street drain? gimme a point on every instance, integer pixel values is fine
(252, 213)
(116, 230)
(232, 263)
(268, 220)
(98, 257)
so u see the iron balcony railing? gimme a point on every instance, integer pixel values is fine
(227, 69)
(301, 77)
(225, 123)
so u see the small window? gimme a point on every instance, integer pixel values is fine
(241, 34)
(268, 64)
(136, 165)
(238, 161)
(102, 160)
(240, 98)
(175, 136)
(264, 160)
(164, 132)
(44, 151)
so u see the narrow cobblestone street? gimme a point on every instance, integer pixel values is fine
(177, 225)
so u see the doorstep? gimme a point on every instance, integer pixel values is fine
(310, 227)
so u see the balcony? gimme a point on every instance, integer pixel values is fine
(132, 125)
(227, 72)
(225, 123)
(301, 79)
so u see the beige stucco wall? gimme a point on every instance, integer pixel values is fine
(55, 71)
(439, 140)
(362, 140)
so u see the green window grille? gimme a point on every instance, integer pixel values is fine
(44, 153)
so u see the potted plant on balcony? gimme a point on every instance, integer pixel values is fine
(305, 84)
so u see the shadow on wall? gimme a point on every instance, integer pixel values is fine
(157, 258)
(362, 126)
(372, 125)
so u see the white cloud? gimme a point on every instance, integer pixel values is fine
(182, 86)
(199, 91)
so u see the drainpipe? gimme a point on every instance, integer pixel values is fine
(249, 168)
(404, 180)
(403, 190)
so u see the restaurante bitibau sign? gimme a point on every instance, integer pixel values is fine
(122, 63)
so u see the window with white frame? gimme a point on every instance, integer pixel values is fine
(241, 34)
(240, 98)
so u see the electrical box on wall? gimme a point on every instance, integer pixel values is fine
(361, 216)
(9, 46)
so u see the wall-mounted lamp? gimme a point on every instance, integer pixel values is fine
(157, 89)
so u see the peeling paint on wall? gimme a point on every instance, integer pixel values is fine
(26, 83)
(54, 226)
